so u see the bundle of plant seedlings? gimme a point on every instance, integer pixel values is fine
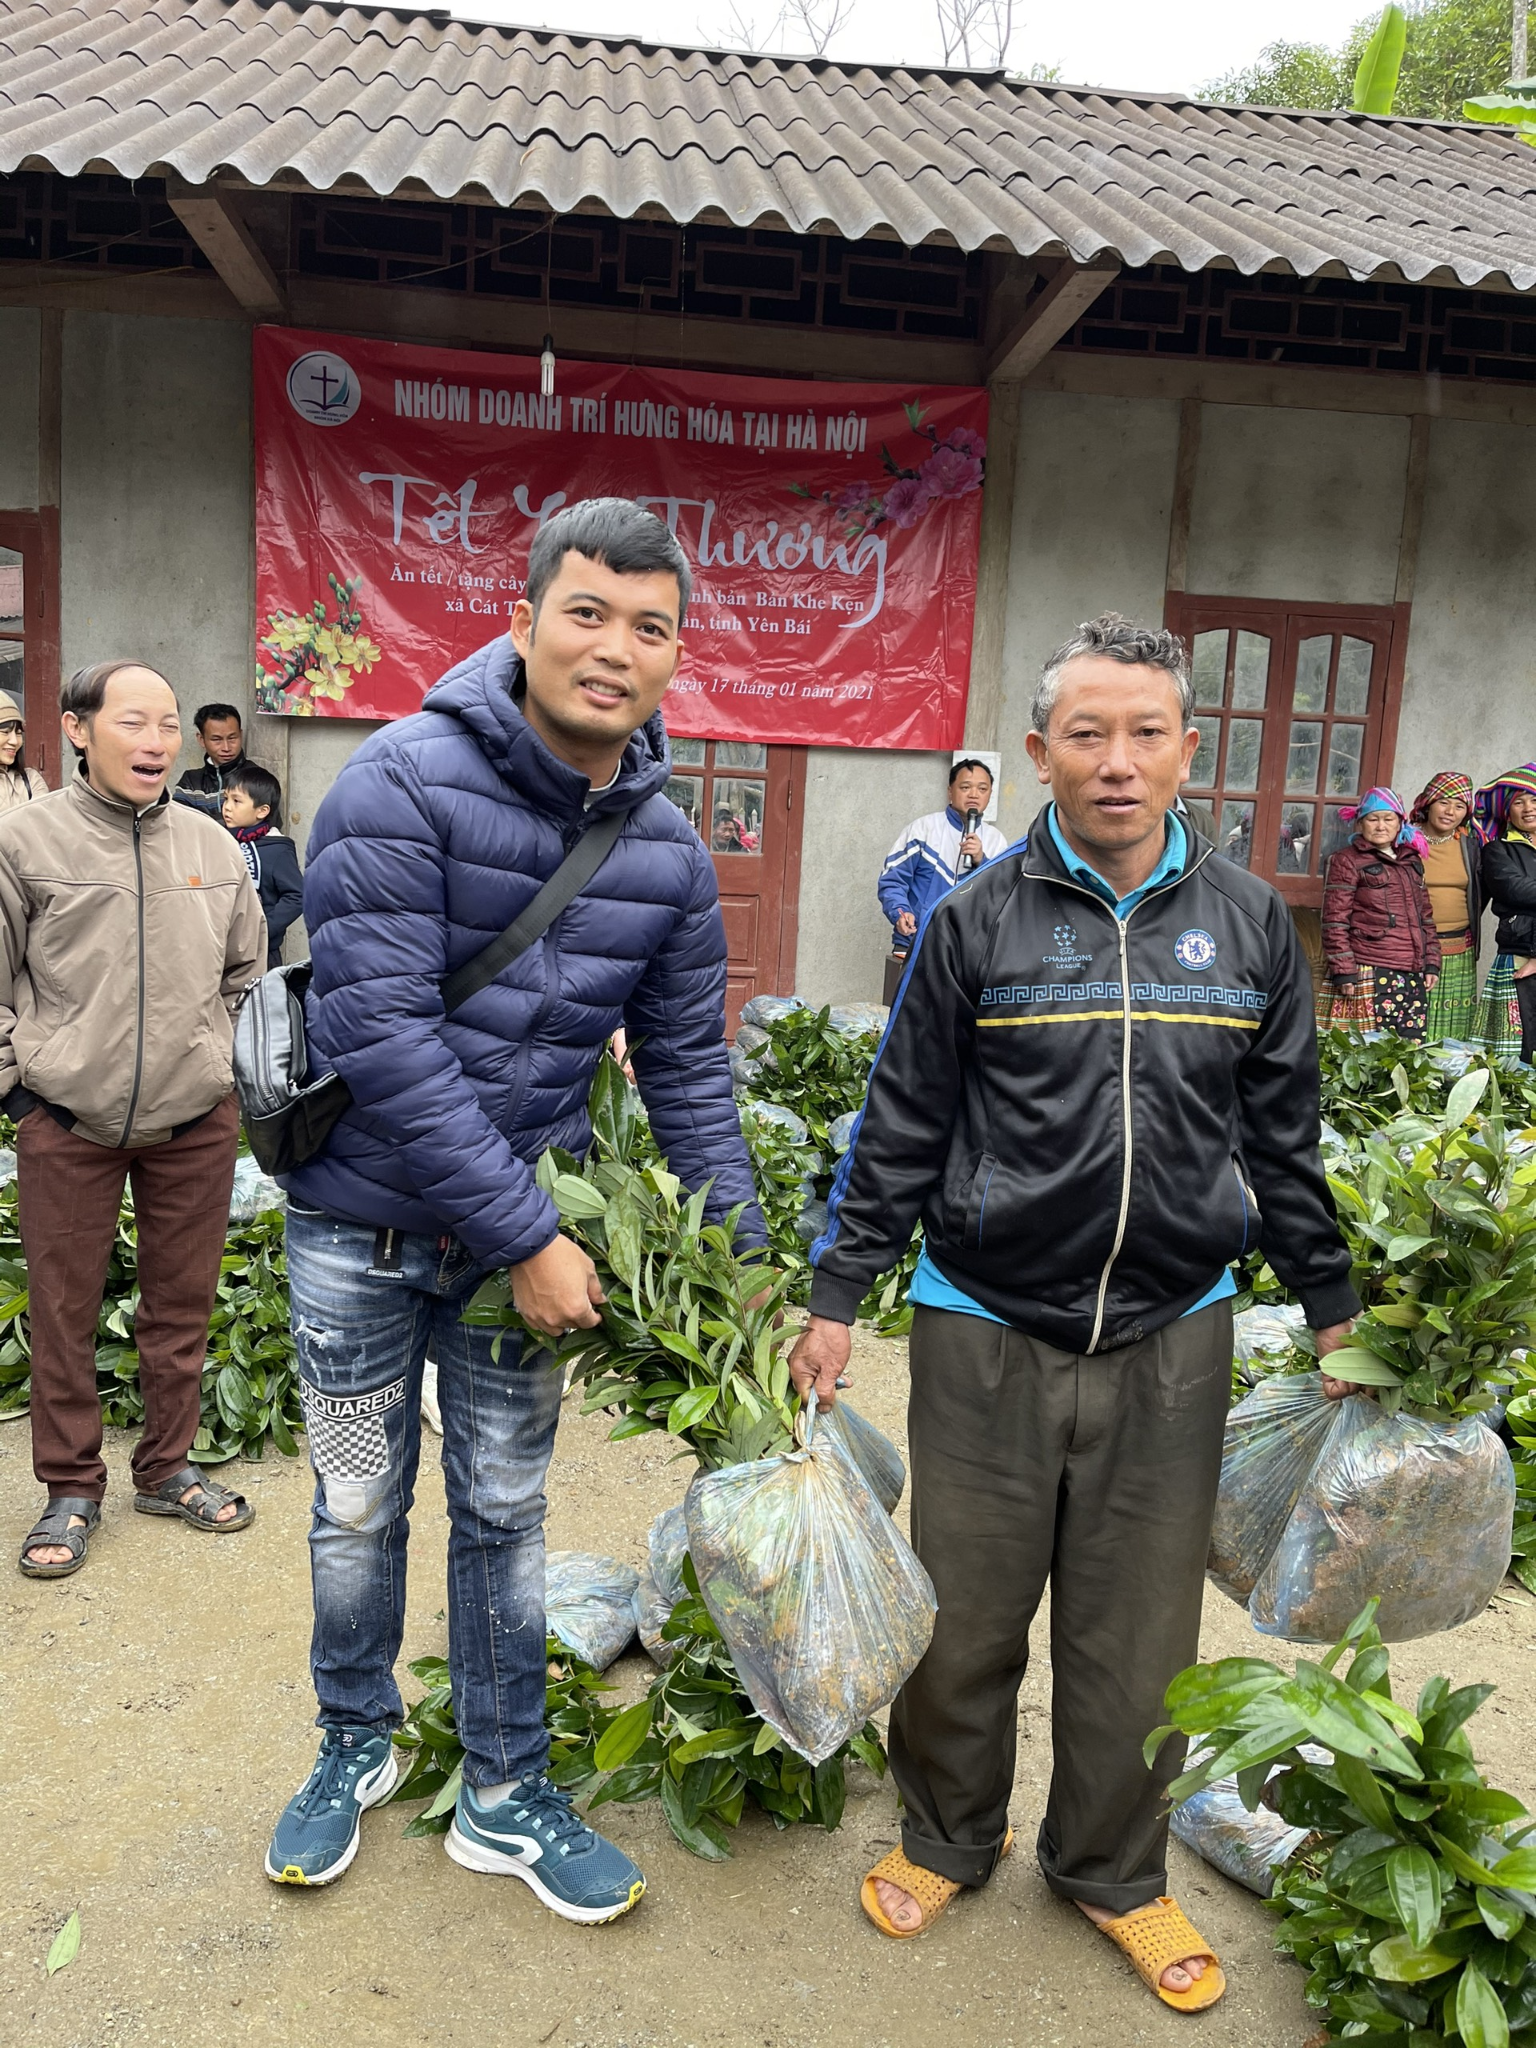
(1411, 1901)
(691, 1344)
(694, 1743)
(1407, 1496)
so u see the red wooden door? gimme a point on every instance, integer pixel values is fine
(744, 799)
(29, 629)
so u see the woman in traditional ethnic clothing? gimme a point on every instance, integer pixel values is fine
(1379, 936)
(1453, 875)
(1506, 820)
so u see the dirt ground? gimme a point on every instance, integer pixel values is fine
(158, 1714)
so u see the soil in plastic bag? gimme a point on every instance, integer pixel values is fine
(660, 1581)
(1419, 1513)
(821, 1601)
(1250, 1848)
(761, 1010)
(589, 1603)
(871, 1450)
(1273, 1439)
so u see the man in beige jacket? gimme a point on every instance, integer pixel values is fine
(128, 929)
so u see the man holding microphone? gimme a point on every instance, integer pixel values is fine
(933, 853)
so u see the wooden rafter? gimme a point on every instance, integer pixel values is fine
(210, 218)
(1047, 318)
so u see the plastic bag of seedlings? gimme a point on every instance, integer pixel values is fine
(1250, 1848)
(821, 1601)
(761, 1010)
(1272, 1441)
(659, 1584)
(854, 1020)
(795, 1128)
(871, 1450)
(589, 1603)
(253, 1192)
(1419, 1513)
(1260, 1336)
(812, 1221)
(841, 1131)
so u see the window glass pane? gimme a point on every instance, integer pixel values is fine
(736, 817)
(740, 754)
(1344, 744)
(1244, 738)
(1250, 672)
(1352, 686)
(1312, 673)
(1203, 773)
(1293, 854)
(687, 753)
(1208, 670)
(1235, 840)
(10, 591)
(687, 792)
(1336, 833)
(1302, 764)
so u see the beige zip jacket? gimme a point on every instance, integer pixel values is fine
(126, 939)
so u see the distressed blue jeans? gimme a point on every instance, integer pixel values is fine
(366, 1305)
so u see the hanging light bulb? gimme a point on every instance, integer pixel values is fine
(547, 368)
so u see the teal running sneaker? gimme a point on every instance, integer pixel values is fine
(317, 1837)
(536, 1834)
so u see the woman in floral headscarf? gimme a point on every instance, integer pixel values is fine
(1453, 875)
(1506, 822)
(1379, 936)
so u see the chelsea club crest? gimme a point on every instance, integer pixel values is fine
(1194, 949)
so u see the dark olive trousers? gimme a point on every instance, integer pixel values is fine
(1098, 1476)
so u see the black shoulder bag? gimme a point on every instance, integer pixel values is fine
(287, 1114)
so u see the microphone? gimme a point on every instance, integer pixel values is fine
(972, 826)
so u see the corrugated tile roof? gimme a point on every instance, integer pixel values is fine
(419, 104)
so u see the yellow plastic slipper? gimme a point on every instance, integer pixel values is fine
(1155, 1936)
(932, 1892)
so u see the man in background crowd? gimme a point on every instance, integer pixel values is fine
(932, 854)
(128, 929)
(223, 742)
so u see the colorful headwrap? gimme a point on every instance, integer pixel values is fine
(1449, 786)
(1491, 804)
(1383, 799)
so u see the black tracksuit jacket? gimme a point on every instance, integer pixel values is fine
(1093, 1116)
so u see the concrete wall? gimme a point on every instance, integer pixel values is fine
(1297, 505)
(1469, 689)
(1090, 534)
(19, 329)
(156, 501)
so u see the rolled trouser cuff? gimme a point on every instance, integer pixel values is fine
(1116, 1898)
(961, 1862)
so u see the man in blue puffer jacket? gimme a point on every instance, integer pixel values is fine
(439, 832)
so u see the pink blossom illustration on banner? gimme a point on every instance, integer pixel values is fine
(955, 467)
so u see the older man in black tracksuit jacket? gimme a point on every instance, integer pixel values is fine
(1098, 1087)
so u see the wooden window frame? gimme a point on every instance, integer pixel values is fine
(35, 537)
(1285, 622)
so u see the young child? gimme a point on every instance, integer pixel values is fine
(253, 811)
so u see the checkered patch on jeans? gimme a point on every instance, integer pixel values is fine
(346, 1431)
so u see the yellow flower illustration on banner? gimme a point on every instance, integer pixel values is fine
(305, 656)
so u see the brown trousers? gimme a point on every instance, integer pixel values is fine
(1097, 1474)
(69, 1192)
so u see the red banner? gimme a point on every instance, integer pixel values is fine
(832, 529)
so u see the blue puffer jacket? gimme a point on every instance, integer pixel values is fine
(438, 832)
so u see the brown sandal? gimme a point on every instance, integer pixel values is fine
(931, 1891)
(1158, 1935)
(202, 1510)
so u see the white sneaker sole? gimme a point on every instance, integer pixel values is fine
(475, 1856)
(372, 1791)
